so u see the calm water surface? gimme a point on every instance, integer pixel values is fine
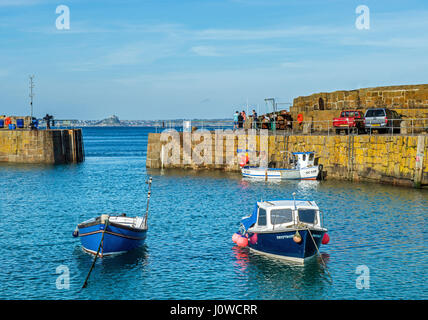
(189, 253)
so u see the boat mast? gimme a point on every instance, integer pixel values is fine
(294, 199)
(295, 208)
(148, 200)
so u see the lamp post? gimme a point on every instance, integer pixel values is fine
(31, 97)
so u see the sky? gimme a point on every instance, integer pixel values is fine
(162, 59)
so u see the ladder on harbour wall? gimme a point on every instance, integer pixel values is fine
(350, 157)
(419, 161)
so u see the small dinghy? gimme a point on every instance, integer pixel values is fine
(302, 167)
(287, 229)
(112, 234)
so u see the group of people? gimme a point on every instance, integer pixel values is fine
(239, 119)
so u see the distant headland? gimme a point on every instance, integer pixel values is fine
(114, 121)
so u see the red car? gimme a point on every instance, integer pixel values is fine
(350, 121)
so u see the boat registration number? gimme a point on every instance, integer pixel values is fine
(285, 237)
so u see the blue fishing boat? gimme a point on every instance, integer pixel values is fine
(287, 229)
(113, 234)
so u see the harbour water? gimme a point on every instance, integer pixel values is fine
(189, 253)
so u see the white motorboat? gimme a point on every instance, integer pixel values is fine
(302, 167)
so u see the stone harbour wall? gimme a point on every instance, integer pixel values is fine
(398, 160)
(41, 146)
(410, 101)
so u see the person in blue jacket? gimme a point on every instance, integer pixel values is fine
(235, 120)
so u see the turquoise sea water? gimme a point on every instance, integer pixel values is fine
(189, 253)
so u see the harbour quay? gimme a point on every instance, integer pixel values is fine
(409, 101)
(395, 152)
(20, 144)
(398, 160)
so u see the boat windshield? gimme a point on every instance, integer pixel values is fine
(279, 216)
(262, 217)
(307, 215)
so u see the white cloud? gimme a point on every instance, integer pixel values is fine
(207, 51)
(263, 34)
(235, 50)
(139, 53)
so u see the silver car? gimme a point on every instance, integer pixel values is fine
(382, 119)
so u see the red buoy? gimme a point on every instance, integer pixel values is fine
(235, 237)
(242, 242)
(244, 160)
(253, 238)
(325, 239)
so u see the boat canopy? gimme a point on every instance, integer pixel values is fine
(303, 159)
(272, 215)
(247, 222)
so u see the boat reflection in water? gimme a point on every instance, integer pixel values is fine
(271, 278)
(128, 260)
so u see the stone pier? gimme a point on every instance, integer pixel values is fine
(398, 160)
(42, 146)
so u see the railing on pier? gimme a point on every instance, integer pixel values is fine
(408, 126)
(60, 123)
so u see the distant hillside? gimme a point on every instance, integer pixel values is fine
(112, 121)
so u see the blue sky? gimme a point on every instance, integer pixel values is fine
(201, 59)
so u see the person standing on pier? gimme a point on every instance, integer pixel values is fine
(240, 120)
(254, 124)
(48, 118)
(235, 120)
(244, 117)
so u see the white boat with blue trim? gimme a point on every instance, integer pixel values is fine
(302, 167)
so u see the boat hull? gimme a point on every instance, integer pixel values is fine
(282, 245)
(117, 238)
(310, 173)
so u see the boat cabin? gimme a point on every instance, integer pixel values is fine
(302, 159)
(275, 215)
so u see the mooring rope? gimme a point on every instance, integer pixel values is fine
(96, 255)
(326, 268)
